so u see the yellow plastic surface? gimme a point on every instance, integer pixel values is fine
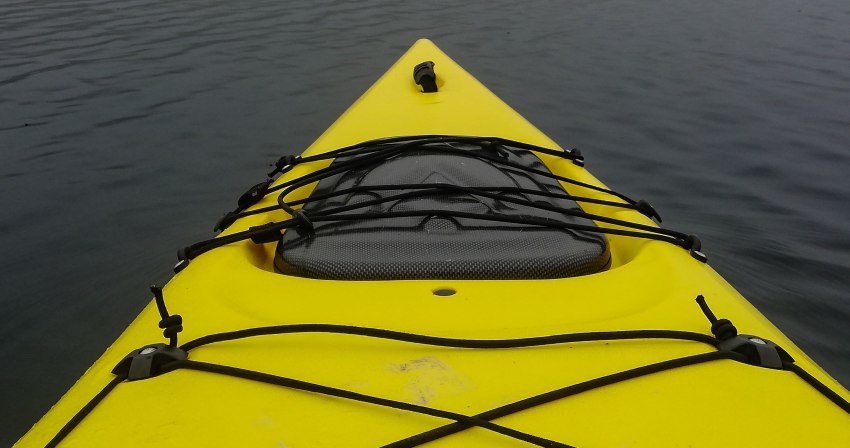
(651, 285)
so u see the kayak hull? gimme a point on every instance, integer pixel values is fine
(650, 285)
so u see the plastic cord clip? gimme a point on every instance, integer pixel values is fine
(757, 351)
(304, 222)
(184, 256)
(647, 210)
(225, 221)
(574, 154)
(254, 194)
(284, 164)
(694, 246)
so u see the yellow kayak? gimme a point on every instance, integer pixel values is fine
(435, 271)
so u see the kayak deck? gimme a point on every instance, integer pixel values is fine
(651, 285)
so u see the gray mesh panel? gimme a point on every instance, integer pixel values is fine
(440, 247)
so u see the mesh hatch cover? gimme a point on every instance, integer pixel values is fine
(438, 247)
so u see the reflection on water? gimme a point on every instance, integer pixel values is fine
(127, 127)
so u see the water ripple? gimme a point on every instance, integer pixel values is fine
(135, 121)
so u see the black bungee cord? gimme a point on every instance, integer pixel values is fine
(728, 344)
(370, 153)
(157, 359)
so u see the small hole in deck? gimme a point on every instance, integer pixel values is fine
(444, 292)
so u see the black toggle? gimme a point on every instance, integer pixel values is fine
(424, 75)
(284, 164)
(147, 361)
(647, 210)
(254, 194)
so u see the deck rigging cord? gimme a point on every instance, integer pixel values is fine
(376, 151)
(158, 359)
(723, 330)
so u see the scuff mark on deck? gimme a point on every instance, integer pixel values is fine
(428, 378)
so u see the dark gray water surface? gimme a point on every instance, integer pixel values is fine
(128, 127)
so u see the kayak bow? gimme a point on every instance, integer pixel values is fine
(434, 269)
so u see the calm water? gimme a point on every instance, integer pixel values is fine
(128, 127)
